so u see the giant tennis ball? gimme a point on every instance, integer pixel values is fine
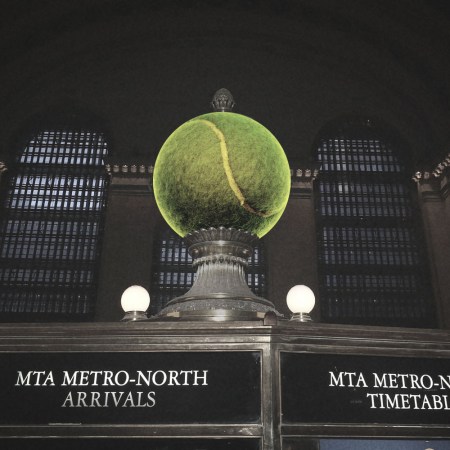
(221, 169)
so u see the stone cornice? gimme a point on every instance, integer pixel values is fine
(129, 170)
(3, 168)
(302, 182)
(130, 178)
(435, 184)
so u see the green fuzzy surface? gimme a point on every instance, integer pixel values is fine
(191, 179)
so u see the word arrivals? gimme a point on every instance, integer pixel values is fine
(109, 399)
(98, 379)
(409, 401)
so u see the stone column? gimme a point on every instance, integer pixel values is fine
(291, 246)
(433, 190)
(131, 216)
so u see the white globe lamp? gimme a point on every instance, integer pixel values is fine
(135, 302)
(301, 300)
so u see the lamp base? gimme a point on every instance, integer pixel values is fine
(134, 316)
(220, 292)
(301, 317)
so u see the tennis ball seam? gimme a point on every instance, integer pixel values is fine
(228, 171)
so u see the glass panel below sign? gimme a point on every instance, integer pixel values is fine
(365, 444)
(383, 444)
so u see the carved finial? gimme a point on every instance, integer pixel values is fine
(223, 101)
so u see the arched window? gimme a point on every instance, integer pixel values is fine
(173, 274)
(372, 263)
(50, 235)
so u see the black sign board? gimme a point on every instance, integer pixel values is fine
(318, 388)
(130, 388)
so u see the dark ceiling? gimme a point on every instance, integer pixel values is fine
(140, 68)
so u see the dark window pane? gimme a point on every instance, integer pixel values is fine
(372, 262)
(51, 227)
